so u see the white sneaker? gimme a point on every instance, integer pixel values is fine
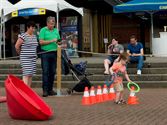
(138, 72)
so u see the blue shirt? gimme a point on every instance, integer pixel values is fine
(135, 48)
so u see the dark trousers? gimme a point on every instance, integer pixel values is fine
(138, 60)
(49, 64)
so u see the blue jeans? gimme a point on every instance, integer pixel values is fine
(49, 64)
(138, 60)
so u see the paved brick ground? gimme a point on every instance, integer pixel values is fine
(152, 110)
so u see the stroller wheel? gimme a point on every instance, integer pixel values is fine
(69, 91)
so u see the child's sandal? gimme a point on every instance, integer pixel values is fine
(123, 102)
(118, 102)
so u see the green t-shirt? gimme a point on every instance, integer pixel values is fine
(46, 35)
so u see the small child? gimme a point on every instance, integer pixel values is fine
(119, 68)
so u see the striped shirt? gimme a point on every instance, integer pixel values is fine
(29, 45)
(28, 54)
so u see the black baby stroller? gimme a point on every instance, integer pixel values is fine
(78, 73)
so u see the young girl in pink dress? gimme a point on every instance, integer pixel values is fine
(120, 69)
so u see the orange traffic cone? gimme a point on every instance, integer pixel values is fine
(132, 100)
(2, 99)
(92, 95)
(99, 96)
(105, 93)
(111, 93)
(86, 98)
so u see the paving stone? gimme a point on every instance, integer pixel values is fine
(68, 110)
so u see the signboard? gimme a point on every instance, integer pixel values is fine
(29, 12)
(105, 40)
(69, 34)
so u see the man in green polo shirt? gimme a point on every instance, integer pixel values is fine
(48, 38)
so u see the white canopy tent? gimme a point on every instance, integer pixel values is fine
(6, 6)
(47, 4)
(53, 5)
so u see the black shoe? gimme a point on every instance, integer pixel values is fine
(45, 94)
(51, 93)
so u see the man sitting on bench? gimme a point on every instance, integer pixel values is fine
(135, 51)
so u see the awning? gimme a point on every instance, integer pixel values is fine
(149, 6)
(141, 5)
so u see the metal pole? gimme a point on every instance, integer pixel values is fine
(152, 31)
(4, 42)
(1, 34)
